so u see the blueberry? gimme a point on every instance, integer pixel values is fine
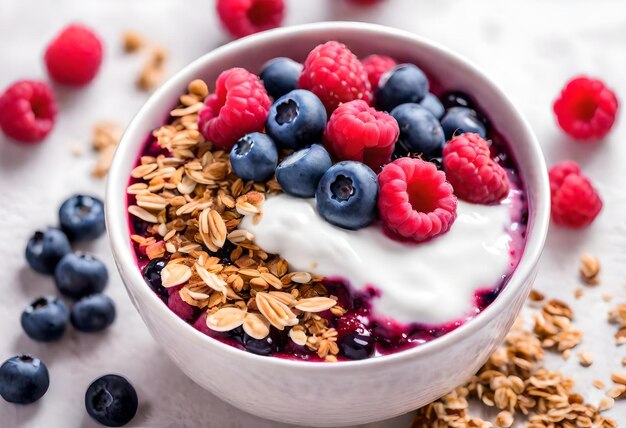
(254, 157)
(357, 346)
(457, 99)
(93, 313)
(23, 379)
(45, 319)
(45, 249)
(280, 76)
(420, 131)
(346, 195)
(111, 400)
(405, 83)
(264, 346)
(299, 173)
(459, 120)
(297, 120)
(152, 275)
(82, 218)
(237, 334)
(80, 274)
(267, 346)
(433, 105)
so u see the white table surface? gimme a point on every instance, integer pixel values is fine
(530, 48)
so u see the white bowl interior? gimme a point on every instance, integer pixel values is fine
(451, 73)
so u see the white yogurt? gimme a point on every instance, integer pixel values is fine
(432, 282)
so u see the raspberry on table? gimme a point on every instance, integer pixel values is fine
(244, 17)
(586, 109)
(474, 176)
(239, 106)
(74, 56)
(27, 111)
(376, 66)
(415, 200)
(358, 132)
(333, 73)
(575, 202)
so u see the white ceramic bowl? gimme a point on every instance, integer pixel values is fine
(346, 393)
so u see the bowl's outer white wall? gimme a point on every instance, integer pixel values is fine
(352, 392)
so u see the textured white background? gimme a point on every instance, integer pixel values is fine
(529, 47)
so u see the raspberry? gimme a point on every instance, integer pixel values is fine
(575, 203)
(474, 175)
(415, 200)
(27, 111)
(244, 17)
(239, 106)
(335, 75)
(376, 66)
(586, 109)
(74, 56)
(177, 305)
(358, 132)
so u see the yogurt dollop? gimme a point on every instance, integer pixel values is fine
(431, 283)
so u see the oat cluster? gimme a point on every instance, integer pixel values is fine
(106, 136)
(194, 204)
(153, 70)
(515, 382)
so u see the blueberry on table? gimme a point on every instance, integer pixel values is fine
(45, 319)
(357, 346)
(405, 83)
(23, 379)
(300, 173)
(280, 76)
(80, 274)
(93, 313)
(254, 157)
(431, 103)
(297, 120)
(45, 249)
(111, 400)
(420, 131)
(346, 195)
(461, 120)
(82, 218)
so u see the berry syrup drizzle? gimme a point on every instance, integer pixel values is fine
(380, 335)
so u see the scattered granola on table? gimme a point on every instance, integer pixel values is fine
(589, 270)
(515, 382)
(106, 136)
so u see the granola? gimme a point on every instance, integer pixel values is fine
(194, 203)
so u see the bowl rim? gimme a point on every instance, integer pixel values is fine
(116, 217)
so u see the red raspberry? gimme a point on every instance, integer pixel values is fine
(586, 109)
(74, 56)
(376, 66)
(177, 305)
(474, 175)
(335, 75)
(27, 111)
(415, 200)
(244, 17)
(358, 132)
(240, 105)
(575, 203)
